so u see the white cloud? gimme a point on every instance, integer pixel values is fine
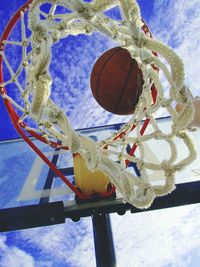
(71, 74)
(177, 24)
(172, 22)
(14, 257)
(71, 243)
(150, 239)
(158, 238)
(2, 243)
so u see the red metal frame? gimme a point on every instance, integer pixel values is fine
(20, 126)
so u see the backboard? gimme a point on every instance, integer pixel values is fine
(26, 181)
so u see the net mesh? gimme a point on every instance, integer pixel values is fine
(126, 146)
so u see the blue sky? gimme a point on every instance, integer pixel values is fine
(160, 238)
(71, 89)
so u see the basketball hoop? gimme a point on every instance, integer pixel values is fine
(113, 155)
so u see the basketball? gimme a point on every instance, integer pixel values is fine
(116, 81)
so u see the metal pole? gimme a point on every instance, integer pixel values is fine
(103, 240)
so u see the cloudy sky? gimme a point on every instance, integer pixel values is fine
(160, 238)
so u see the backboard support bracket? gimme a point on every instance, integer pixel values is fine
(55, 213)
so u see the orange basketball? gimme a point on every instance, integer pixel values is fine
(116, 81)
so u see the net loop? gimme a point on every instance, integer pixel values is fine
(127, 147)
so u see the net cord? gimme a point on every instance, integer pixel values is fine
(132, 34)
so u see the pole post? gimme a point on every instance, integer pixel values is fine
(103, 240)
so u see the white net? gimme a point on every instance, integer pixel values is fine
(112, 155)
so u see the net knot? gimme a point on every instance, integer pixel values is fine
(39, 34)
(87, 12)
(139, 37)
(157, 134)
(168, 168)
(146, 56)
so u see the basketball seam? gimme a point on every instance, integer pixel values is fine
(139, 77)
(138, 73)
(139, 87)
(101, 72)
(125, 85)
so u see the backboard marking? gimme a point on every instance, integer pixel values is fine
(29, 190)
